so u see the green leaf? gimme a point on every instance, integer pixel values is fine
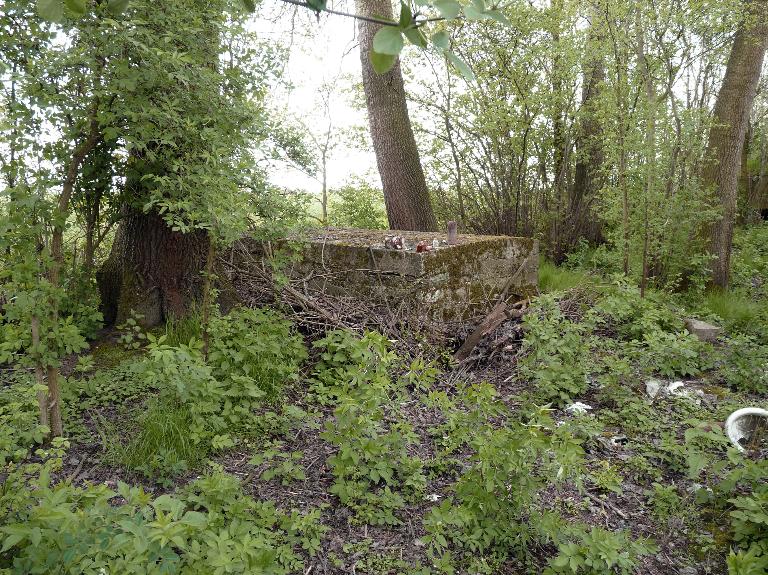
(316, 5)
(498, 16)
(388, 40)
(77, 7)
(406, 16)
(117, 7)
(249, 5)
(449, 9)
(461, 66)
(382, 63)
(441, 40)
(195, 519)
(51, 10)
(473, 13)
(416, 37)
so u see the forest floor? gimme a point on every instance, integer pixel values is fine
(409, 462)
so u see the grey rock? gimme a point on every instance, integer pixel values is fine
(702, 330)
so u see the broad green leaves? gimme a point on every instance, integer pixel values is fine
(77, 7)
(382, 63)
(460, 65)
(117, 7)
(51, 10)
(58, 10)
(441, 40)
(388, 40)
(449, 9)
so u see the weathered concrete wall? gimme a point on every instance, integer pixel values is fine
(444, 284)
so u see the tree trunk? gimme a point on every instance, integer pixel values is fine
(589, 160)
(152, 270)
(726, 136)
(405, 188)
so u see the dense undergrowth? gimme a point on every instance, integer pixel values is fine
(465, 476)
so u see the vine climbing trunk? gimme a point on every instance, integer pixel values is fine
(405, 188)
(729, 126)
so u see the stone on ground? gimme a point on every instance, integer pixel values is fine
(702, 330)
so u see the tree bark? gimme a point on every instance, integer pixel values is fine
(405, 189)
(726, 136)
(589, 159)
(152, 270)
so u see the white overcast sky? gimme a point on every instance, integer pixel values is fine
(321, 53)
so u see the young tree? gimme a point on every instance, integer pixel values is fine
(729, 126)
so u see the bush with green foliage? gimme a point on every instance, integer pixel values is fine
(256, 343)
(557, 352)
(20, 429)
(374, 474)
(210, 526)
(253, 353)
(599, 552)
(744, 366)
(493, 500)
(357, 205)
(749, 274)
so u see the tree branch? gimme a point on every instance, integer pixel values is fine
(374, 20)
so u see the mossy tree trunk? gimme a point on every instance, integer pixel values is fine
(153, 270)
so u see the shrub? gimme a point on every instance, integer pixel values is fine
(257, 344)
(374, 474)
(357, 205)
(557, 352)
(745, 364)
(20, 429)
(253, 353)
(673, 354)
(210, 527)
(634, 317)
(599, 552)
(498, 492)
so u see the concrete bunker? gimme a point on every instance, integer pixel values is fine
(419, 271)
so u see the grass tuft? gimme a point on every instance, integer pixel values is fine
(554, 278)
(735, 310)
(182, 330)
(160, 448)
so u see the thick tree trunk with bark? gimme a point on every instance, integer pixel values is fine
(726, 137)
(152, 270)
(405, 188)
